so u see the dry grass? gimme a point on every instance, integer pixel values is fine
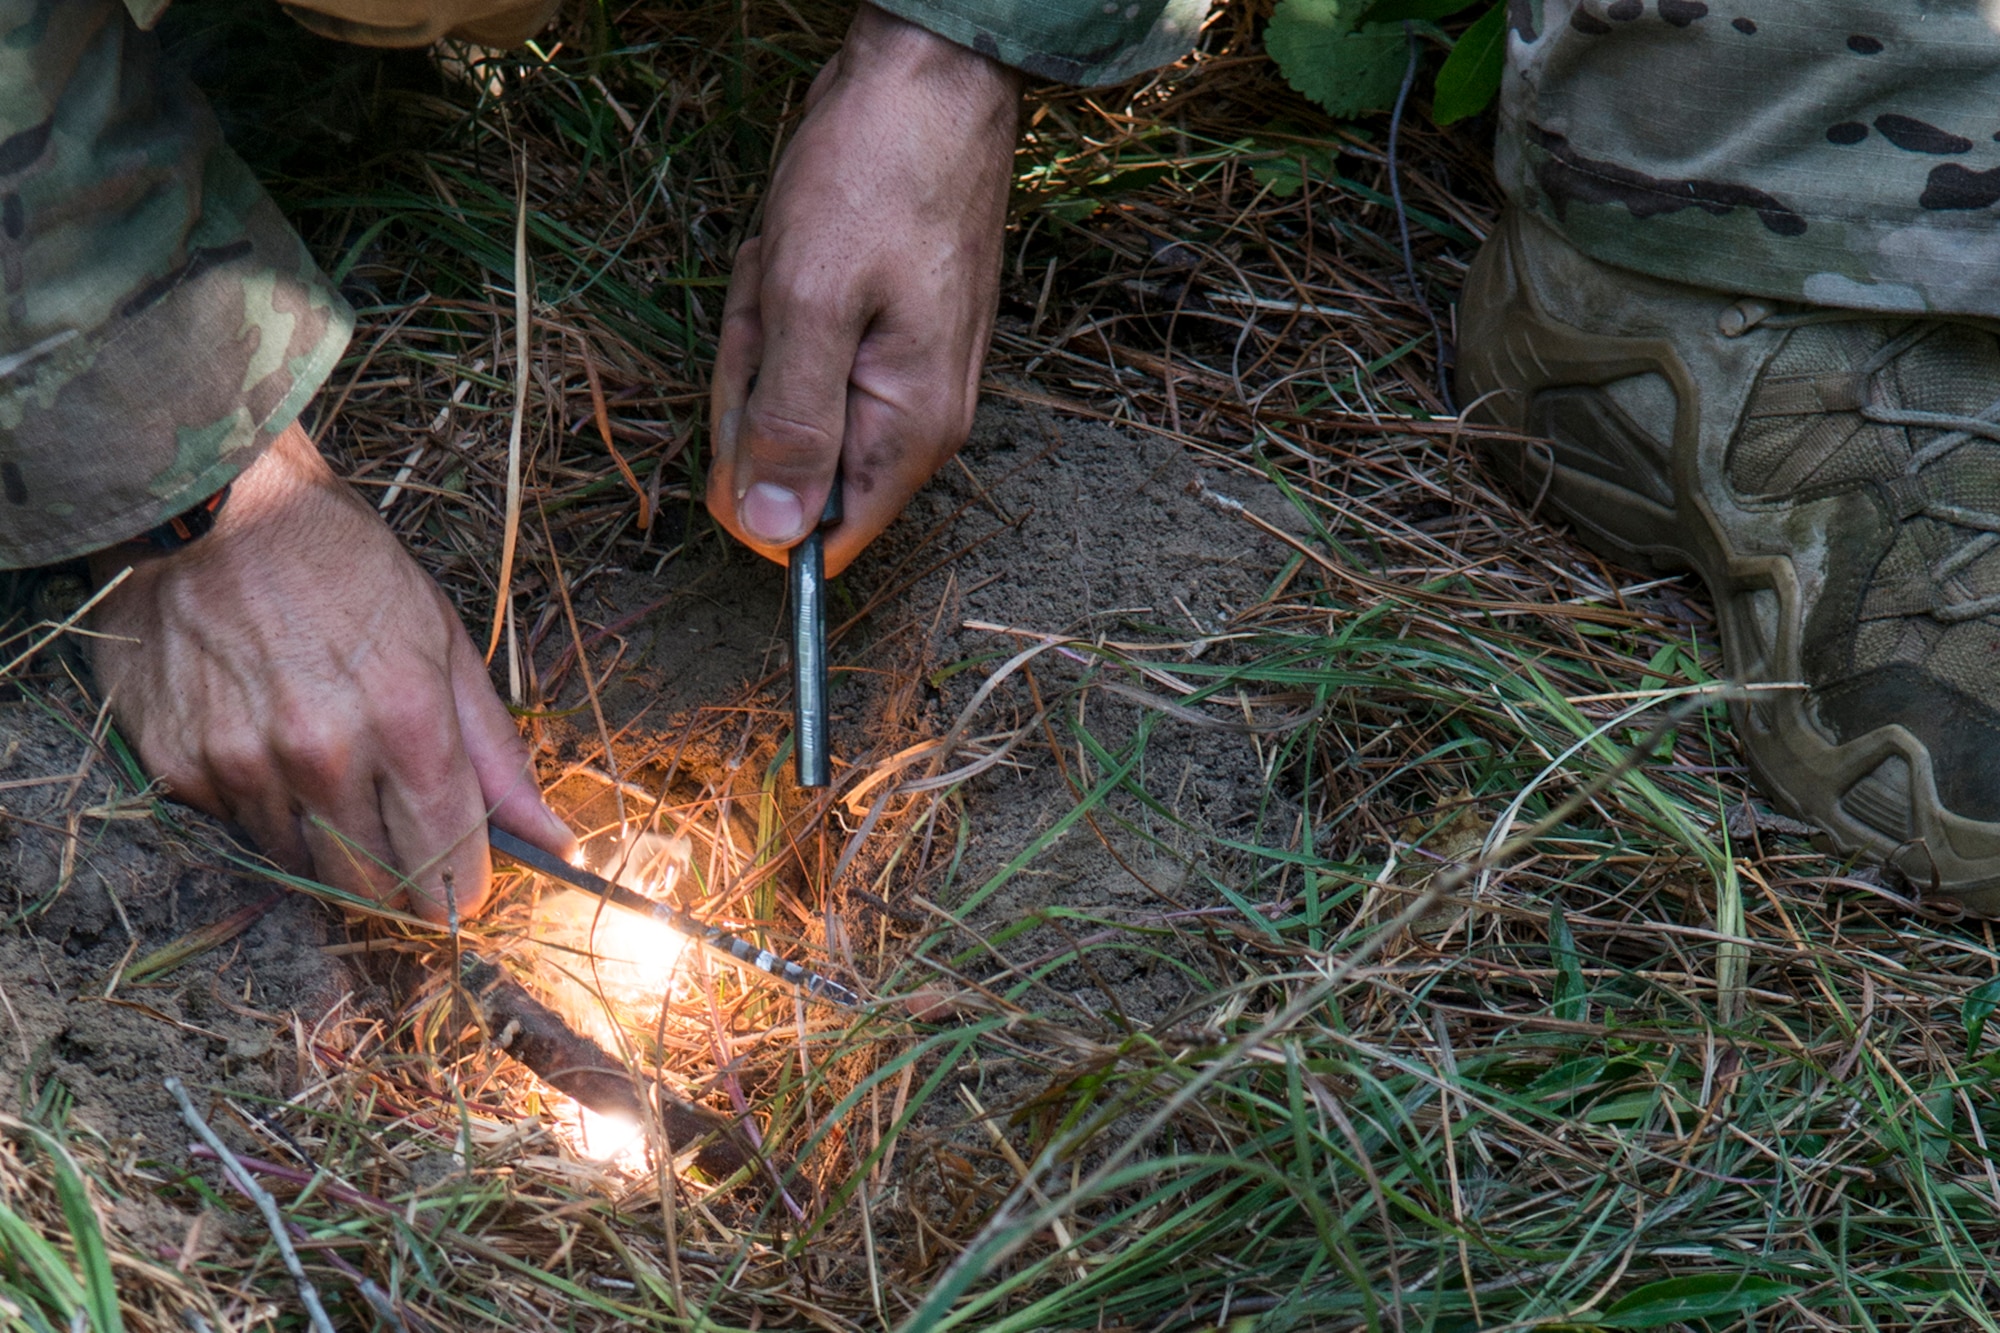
(1664, 1043)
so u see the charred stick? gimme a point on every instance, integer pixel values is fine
(584, 1070)
(731, 946)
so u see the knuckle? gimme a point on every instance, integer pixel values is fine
(785, 444)
(509, 750)
(312, 751)
(740, 323)
(806, 300)
(416, 718)
(237, 759)
(427, 760)
(184, 779)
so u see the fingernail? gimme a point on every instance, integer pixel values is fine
(771, 514)
(725, 432)
(558, 832)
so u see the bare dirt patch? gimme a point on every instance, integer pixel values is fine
(1048, 526)
(92, 887)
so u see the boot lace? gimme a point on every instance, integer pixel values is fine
(1980, 530)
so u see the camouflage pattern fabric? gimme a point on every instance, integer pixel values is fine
(159, 321)
(162, 323)
(1840, 153)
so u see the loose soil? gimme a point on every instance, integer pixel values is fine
(1046, 525)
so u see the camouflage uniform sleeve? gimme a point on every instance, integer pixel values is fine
(160, 323)
(1087, 42)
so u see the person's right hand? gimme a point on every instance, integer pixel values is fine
(858, 317)
(295, 672)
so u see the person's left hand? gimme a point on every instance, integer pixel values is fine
(857, 320)
(296, 673)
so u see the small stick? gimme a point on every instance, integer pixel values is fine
(584, 1070)
(732, 946)
(384, 1304)
(273, 1219)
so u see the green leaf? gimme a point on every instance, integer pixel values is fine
(1471, 74)
(1934, 1131)
(1283, 178)
(100, 1287)
(1978, 1007)
(94, 1299)
(1658, 1304)
(1347, 67)
(49, 1280)
(1570, 1004)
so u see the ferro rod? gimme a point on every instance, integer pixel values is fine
(807, 567)
(727, 943)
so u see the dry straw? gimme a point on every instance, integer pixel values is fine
(1663, 1063)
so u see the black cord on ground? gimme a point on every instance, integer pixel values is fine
(1403, 225)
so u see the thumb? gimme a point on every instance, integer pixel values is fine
(789, 437)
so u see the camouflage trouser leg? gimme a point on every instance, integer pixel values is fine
(1837, 152)
(159, 320)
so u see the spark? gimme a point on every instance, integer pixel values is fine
(637, 958)
(634, 951)
(633, 973)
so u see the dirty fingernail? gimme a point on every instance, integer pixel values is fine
(771, 513)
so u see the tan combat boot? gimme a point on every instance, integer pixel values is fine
(1833, 476)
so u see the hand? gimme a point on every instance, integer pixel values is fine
(294, 671)
(861, 313)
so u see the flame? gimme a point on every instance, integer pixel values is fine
(635, 964)
(615, 1140)
(636, 953)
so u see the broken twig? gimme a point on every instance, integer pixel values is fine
(273, 1219)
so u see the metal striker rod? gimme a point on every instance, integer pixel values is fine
(807, 566)
(722, 941)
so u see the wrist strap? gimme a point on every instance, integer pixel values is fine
(184, 528)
